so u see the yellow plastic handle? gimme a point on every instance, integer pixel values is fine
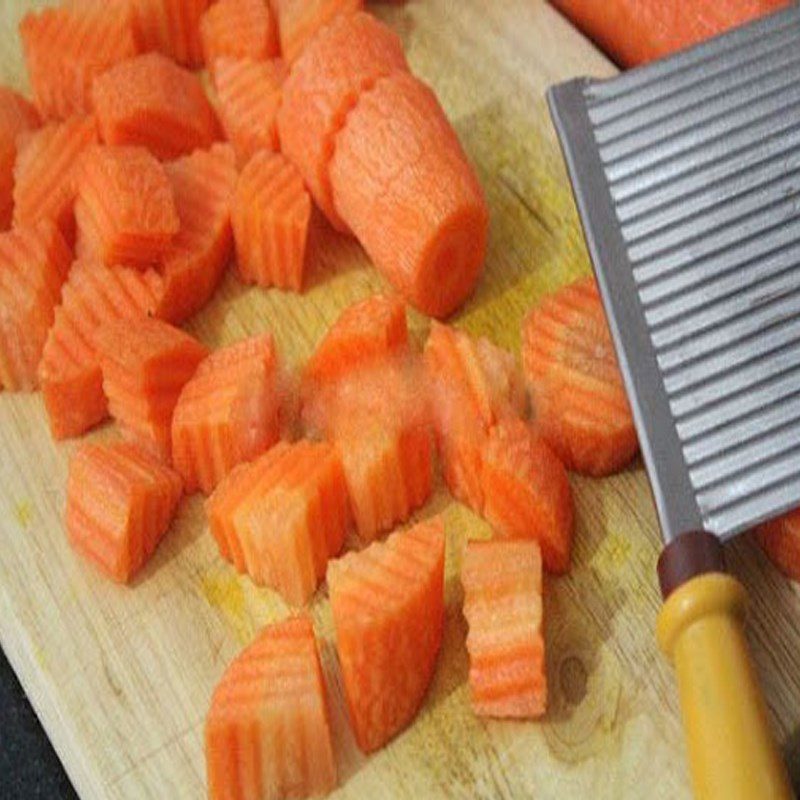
(732, 754)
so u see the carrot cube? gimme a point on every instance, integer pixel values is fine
(17, 116)
(239, 29)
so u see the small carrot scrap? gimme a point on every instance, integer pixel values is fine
(17, 116)
(388, 612)
(299, 20)
(202, 185)
(344, 61)
(503, 606)
(271, 213)
(144, 369)
(780, 540)
(249, 94)
(267, 733)
(281, 517)
(45, 173)
(579, 401)
(69, 372)
(171, 27)
(239, 29)
(526, 491)
(151, 101)
(227, 413)
(33, 265)
(67, 47)
(125, 207)
(120, 502)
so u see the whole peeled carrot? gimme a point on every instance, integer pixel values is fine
(636, 31)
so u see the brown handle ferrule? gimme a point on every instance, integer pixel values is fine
(686, 557)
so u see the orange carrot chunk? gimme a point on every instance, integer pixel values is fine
(227, 413)
(388, 612)
(33, 265)
(780, 540)
(125, 210)
(239, 29)
(144, 369)
(171, 27)
(151, 101)
(299, 20)
(202, 185)
(281, 517)
(120, 501)
(69, 372)
(526, 491)
(17, 116)
(402, 183)
(249, 94)
(45, 172)
(503, 607)
(344, 61)
(579, 400)
(271, 213)
(267, 733)
(67, 47)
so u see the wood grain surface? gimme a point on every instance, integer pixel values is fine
(121, 677)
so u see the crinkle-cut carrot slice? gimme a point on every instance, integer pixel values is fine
(17, 116)
(780, 540)
(239, 29)
(171, 27)
(300, 20)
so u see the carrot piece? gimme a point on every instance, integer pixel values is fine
(388, 612)
(124, 208)
(299, 20)
(45, 174)
(636, 31)
(171, 27)
(33, 265)
(227, 413)
(17, 116)
(503, 606)
(526, 491)
(402, 183)
(271, 213)
(580, 405)
(69, 372)
(281, 517)
(120, 501)
(239, 29)
(151, 101)
(249, 94)
(344, 61)
(267, 732)
(144, 369)
(780, 540)
(202, 185)
(67, 47)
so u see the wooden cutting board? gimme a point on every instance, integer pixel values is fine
(121, 677)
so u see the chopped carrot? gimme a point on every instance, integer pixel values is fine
(17, 116)
(526, 491)
(402, 183)
(120, 501)
(144, 369)
(299, 20)
(579, 401)
(151, 101)
(503, 606)
(45, 174)
(33, 265)
(171, 27)
(344, 61)
(780, 540)
(69, 372)
(67, 47)
(227, 413)
(124, 208)
(202, 185)
(388, 612)
(249, 94)
(271, 213)
(267, 733)
(281, 517)
(239, 29)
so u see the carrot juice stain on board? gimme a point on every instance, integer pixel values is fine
(224, 592)
(23, 513)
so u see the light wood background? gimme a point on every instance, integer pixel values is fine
(121, 677)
